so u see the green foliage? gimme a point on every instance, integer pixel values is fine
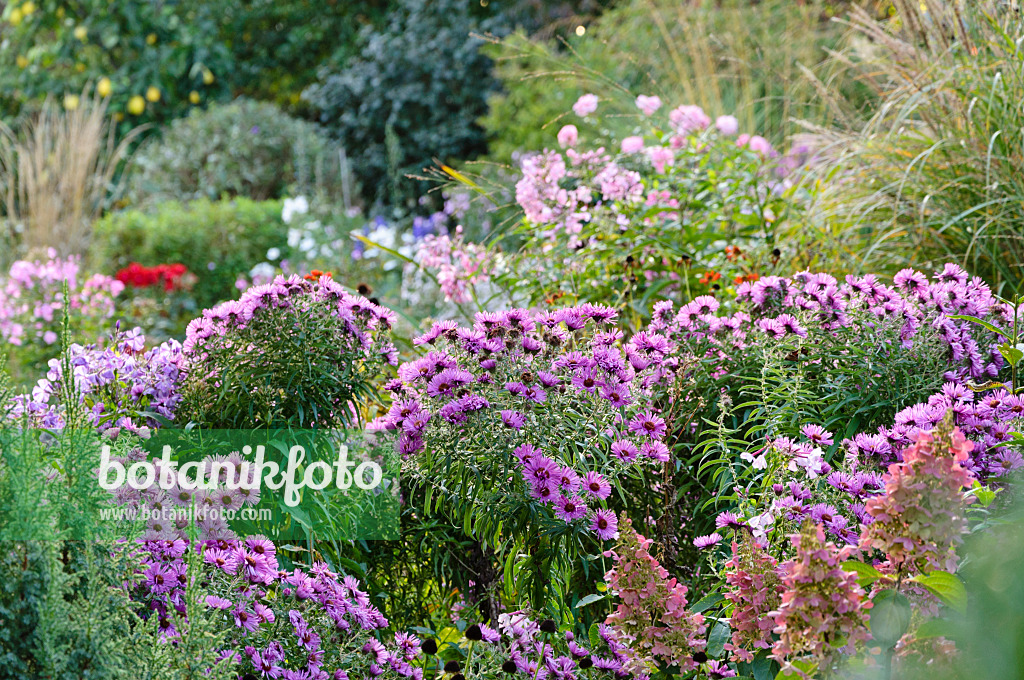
(423, 78)
(734, 57)
(245, 148)
(59, 48)
(217, 241)
(278, 46)
(935, 174)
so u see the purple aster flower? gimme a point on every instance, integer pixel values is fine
(708, 541)
(596, 485)
(728, 520)
(245, 620)
(217, 602)
(625, 450)
(569, 508)
(817, 434)
(605, 525)
(656, 450)
(616, 395)
(648, 424)
(512, 419)
(718, 670)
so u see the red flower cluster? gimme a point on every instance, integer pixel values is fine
(316, 274)
(167, 275)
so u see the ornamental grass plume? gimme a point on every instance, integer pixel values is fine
(919, 520)
(824, 611)
(651, 618)
(756, 590)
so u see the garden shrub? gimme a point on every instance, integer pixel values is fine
(277, 46)
(310, 353)
(527, 421)
(216, 241)
(244, 148)
(154, 60)
(412, 94)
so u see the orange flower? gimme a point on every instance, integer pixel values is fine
(710, 277)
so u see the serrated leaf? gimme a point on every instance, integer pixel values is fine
(933, 628)
(866, 574)
(945, 586)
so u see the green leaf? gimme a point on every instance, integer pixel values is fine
(761, 667)
(866, 574)
(589, 599)
(980, 322)
(720, 634)
(807, 667)
(706, 603)
(890, 617)
(945, 586)
(935, 628)
(594, 636)
(1011, 353)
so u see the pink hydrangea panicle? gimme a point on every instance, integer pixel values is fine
(727, 125)
(920, 519)
(651, 618)
(822, 603)
(755, 591)
(632, 144)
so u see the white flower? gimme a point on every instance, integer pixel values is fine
(761, 524)
(263, 269)
(757, 460)
(294, 236)
(294, 206)
(273, 253)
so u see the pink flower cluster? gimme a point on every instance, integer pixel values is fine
(459, 265)
(755, 592)
(31, 299)
(919, 519)
(651, 618)
(824, 611)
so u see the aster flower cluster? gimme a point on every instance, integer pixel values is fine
(545, 405)
(293, 625)
(651, 618)
(291, 351)
(823, 612)
(117, 381)
(920, 518)
(169, 513)
(522, 646)
(815, 310)
(31, 302)
(586, 208)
